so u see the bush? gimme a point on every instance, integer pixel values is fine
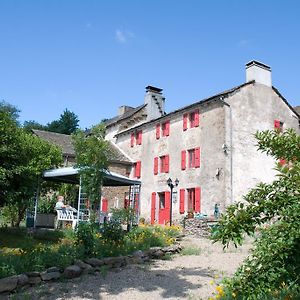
(85, 236)
(112, 231)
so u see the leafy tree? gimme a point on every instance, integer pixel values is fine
(29, 125)
(23, 157)
(10, 109)
(91, 158)
(272, 271)
(67, 123)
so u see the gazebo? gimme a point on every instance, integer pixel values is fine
(71, 175)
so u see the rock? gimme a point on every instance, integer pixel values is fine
(53, 269)
(116, 262)
(138, 253)
(72, 271)
(32, 274)
(8, 284)
(34, 280)
(158, 254)
(88, 269)
(82, 264)
(95, 262)
(46, 276)
(23, 279)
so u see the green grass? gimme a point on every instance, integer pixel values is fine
(191, 250)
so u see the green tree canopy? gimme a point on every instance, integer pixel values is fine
(274, 210)
(66, 124)
(23, 157)
(91, 157)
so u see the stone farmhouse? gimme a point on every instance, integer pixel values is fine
(209, 145)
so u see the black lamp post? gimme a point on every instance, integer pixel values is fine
(171, 185)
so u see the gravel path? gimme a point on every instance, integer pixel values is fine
(182, 277)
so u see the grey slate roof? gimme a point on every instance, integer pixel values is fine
(126, 115)
(64, 141)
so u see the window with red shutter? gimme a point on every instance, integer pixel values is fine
(197, 157)
(139, 137)
(197, 118)
(183, 160)
(155, 165)
(166, 164)
(191, 156)
(157, 131)
(181, 203)
(276, 124)
(132, 139)
(192, 119)
(197, 199)
(185, 121)
(167, 128)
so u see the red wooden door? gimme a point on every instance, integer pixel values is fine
(153, 207)
(161, 208)
(167, 209)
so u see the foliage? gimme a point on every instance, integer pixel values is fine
(9, 109)
(60, 248)
(112, 231)
(46, 204)
(91, 158)
(274, 210)
(29, 125)
(66, 124)
(124, 215)
(23, 157)
(84, 235)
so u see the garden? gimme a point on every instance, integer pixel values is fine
(21, 252)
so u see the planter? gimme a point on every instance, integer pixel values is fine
(190, 215)
(45, 220)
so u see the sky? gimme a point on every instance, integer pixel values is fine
(93, 56)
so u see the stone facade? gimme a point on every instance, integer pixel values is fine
(229, 161)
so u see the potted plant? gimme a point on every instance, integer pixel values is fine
(46, 212)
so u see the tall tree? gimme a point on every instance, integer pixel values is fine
(10, 109)
(23, 157)
(92, 159)
(67, 123)
(29, 125)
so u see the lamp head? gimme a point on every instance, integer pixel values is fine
(169, 182)
(176, 182)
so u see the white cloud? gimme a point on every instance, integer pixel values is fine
(122, 36)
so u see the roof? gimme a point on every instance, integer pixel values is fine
(71, 175)
(297, 109)
(64, 141)
(124, 116)
(200, 102)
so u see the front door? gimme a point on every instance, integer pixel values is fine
(164, 208)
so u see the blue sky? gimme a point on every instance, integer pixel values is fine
(94, 56)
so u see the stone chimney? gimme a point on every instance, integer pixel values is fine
(155, 102)
(123, 109)
(259, 72)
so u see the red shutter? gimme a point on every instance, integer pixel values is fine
(132, 140)
(167, 128)
(181, 203)
(139, 137)
(155, 165)
(166, 164)
(157, 131)
(138, 169)
(167, 206)
(185, 121)
(276, 124)
(282, 162)
(197, 199)
(196, 121)
(197, 157)
(153, 204)
(183, 160)
(104, 205)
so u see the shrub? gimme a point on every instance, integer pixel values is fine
(112, 231)
(85, 236)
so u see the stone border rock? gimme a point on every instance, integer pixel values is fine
(88, 266)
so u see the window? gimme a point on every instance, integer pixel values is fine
(136, 137)
(194, 195)
(192, 118)
(278, 125)
(193, 158)
(162, 200)
(163, 162)
(165, 129)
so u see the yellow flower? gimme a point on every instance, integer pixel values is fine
(233, 294)
(211, 282)
(219, 289)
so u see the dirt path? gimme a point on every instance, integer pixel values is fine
(182, 277)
